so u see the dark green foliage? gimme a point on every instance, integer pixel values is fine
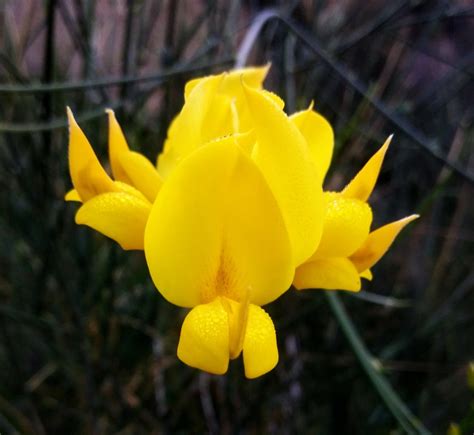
(86, 343)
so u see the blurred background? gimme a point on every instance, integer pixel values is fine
(87, 345)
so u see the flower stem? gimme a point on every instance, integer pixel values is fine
(399, 410)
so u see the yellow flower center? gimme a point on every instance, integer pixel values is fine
(223, 282)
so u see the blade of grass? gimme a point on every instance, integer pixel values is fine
(385, 301)
(399, 410)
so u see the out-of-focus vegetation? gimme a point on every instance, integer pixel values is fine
(86, 343)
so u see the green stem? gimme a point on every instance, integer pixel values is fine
(113, 81)
(399, 410)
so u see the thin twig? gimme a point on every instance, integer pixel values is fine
(413, 133)
(114, 81)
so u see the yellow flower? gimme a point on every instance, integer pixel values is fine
(216, 242)
(118, 209)
(239, 209)
(348, 249)
(226, 229)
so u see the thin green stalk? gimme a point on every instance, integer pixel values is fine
(399, 410)
(114, 81)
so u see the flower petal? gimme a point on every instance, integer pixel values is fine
(219, 120)
(118, 215)
(127, 188)
(260, 345)
(117, 146)
(274, 97)
(237, 316)
(329, 274)
(284, 159)
(87, 175)
(215, 229)
(346, 226)
(214, 106)
(378, 242)
(363, 183)
(186, 132)
(253, 76)
(72, 195)
(128, 166)
(366, 274)
(204, 339)
(319, 136)
(231, 85)
(142, 174)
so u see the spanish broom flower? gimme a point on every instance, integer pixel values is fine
(234, 217)
(233, 208)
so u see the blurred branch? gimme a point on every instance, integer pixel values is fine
(113, 81)
(169, 55)
(385, 301)
(252, 34)
(441, 14)
(54, 123)
(383, 19)
(463, 66)
(15, 417)
(206, 403)
(409, 130)
(86, 116)
(127, 54)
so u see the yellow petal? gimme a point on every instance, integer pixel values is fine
(319, 136)
(204, 339)
(127, 188)
(214, 106)
(216, 229)
(219, 120)
(366, 274)
(253, 76)
(329, 274)
(187, 130)
(260, 346)
(142, 174)
(346, 226)
(237, 316)
(378, 242)
(284, 159)
(274, 97)
(230, 102)
(363, 183)
(246, 141)
(117, 146)
(88, 176)
(72, 195)
(118, 215)
(129, 166)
